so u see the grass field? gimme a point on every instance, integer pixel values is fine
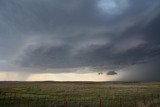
(79, 94)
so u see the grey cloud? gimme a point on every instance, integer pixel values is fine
(54, 34)
(111, 73)
(93, 54)
(142, 72)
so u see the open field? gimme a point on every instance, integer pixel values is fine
(79, 94)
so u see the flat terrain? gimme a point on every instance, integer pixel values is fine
(79, 94)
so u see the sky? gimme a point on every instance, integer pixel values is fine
(84, 40)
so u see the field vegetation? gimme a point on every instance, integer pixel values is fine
(79, 94)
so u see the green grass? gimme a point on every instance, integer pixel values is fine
(79, 94)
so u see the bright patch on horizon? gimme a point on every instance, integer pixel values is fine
(13, 76)
(70, 77)
(21, 76)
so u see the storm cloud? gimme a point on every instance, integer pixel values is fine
(60, 34)
(111, 73)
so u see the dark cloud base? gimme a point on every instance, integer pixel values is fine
(63, 34)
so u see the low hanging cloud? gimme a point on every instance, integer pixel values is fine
(111, 73)
(72, 34)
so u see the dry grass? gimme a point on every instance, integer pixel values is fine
(78, 94)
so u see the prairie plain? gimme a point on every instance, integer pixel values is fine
(79, 94)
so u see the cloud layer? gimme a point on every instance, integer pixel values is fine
(60, 34)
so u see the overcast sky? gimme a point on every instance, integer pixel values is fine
(81, 36)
